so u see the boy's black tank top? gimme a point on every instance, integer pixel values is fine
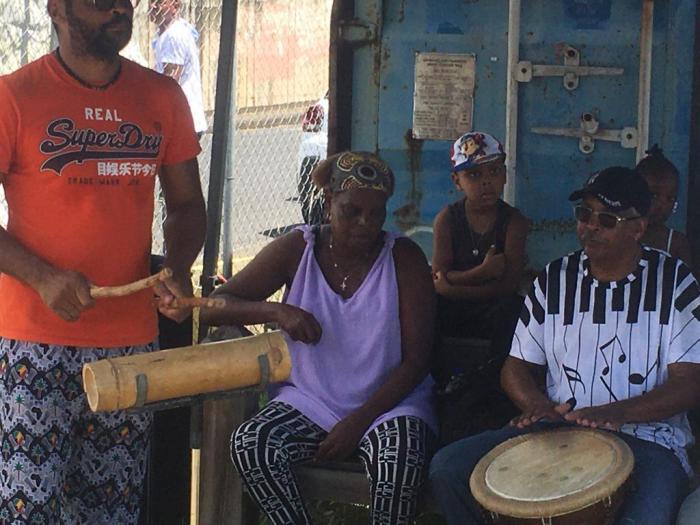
(464, 242)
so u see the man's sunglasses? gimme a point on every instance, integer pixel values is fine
(605, 219)
(107, 5)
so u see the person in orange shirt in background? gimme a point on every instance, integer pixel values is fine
(83, 135)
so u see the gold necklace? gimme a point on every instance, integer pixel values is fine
(344, 278)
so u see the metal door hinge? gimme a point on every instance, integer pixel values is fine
(358, 32)
(571, 70)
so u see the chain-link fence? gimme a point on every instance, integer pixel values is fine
(281, 74)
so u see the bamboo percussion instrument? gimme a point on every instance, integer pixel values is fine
(561, 477)
(132, 381)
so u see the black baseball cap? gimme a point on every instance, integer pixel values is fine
(618, 188)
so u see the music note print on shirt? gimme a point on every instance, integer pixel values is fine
(573, 376)
(639, 379)
(612, 344)
(621, 358)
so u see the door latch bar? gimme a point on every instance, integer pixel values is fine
(589, 131)
(571, 70)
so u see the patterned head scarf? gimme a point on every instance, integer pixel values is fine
(359, 169)
(474, 148)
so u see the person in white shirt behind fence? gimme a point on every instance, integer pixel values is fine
(177, 55)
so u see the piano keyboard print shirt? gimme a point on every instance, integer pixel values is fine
(607, 341)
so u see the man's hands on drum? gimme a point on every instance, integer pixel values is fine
(342, 440)
(608, 417)
(166, 291)
(299, 324)
(544, 410)
(65, 292)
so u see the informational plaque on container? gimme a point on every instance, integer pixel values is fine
(443, 95)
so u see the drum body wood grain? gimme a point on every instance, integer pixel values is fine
(561, 477)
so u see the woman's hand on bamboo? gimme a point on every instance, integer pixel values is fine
(65, 292)
(299, 324)
(166, 291)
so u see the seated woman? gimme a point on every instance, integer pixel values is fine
(358, 311)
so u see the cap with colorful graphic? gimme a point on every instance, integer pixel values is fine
(618, 188)
(360, 169)
(474, 148)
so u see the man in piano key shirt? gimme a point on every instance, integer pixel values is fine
(613, 329)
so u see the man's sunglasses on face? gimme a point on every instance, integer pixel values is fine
(608, 220)
(108, 5)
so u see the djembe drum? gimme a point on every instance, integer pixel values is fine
(561, 477)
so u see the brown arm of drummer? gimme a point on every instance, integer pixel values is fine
(184, 230)
(417, 315)
(65, 292)
(679, 393)
(519, 381)
(247, 292)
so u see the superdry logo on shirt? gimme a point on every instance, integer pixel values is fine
(68, 144)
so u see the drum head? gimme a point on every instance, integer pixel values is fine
(549, 474)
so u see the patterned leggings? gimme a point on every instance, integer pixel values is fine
(265, 447)
(62, 463)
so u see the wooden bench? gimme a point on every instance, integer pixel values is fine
(346, 482)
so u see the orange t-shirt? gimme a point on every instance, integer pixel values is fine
(80, 168)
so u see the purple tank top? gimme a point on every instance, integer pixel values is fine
(360, 345)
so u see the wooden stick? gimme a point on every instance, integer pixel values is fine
(198, 302)
(126, 289)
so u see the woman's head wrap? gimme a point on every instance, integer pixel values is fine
(360, 169)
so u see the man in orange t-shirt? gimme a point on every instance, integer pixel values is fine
(83, 135)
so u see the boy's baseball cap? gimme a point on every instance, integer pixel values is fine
(474, 148)
(618, 188)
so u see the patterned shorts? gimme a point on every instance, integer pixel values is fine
(62, 463)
